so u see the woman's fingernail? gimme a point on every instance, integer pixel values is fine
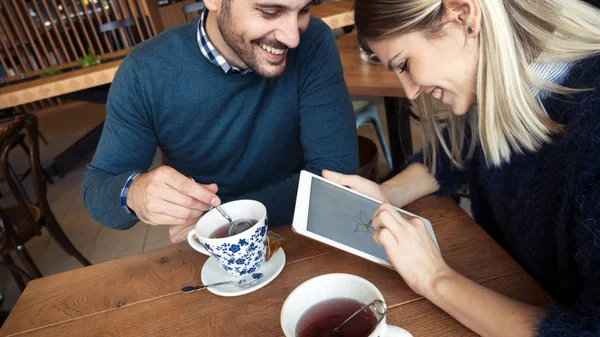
(215, 201)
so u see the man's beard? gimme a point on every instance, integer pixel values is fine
(248, 52)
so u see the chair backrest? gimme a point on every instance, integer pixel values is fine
(125, 33)
(114, 25)
(29, 123)
(7, 232)
(194, 7)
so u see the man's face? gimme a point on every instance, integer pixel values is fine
(261, 32)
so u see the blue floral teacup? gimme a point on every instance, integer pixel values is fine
(239, 254)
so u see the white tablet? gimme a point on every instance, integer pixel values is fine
(340, 217)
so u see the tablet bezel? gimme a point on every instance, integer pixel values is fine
(300, 223)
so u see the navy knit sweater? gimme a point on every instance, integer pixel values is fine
(249, 135)
(544, 207)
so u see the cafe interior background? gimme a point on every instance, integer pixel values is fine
(44, 38)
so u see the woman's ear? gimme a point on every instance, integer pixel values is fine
(466, 13)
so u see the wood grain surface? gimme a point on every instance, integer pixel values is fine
(364, 78)
(336, 14)
(139, 295)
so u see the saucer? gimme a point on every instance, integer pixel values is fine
(213, 273)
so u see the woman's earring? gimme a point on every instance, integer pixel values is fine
(470, 30)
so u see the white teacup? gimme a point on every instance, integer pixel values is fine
(239, 254)
(331, 286)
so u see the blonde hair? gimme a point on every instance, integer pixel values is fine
(508, 117)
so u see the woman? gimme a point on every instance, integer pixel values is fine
(521, 79)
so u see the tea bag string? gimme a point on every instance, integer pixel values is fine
(378, 306)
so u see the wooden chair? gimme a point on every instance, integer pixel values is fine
(9, 242)
(367, 113)
(26, 220)
(115, 26)
(368, 159)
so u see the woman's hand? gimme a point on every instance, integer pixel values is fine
(410, 248)
(358, 184)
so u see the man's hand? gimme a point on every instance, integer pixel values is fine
(179, 233)
(166, 197)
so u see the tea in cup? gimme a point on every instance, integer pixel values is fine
(320, 305)
(238, 254)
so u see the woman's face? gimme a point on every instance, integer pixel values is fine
(443, 66)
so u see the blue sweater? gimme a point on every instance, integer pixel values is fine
(544, 207)
(250, 135)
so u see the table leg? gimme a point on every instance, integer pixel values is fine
(74, 153)
(398, 123)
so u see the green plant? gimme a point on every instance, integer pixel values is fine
(51, 71)
(88, 61)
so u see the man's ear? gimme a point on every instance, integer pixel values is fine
(212, 5)
(466, 13)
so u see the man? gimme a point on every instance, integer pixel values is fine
(241, 100)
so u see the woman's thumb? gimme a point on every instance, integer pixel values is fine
(333, 176)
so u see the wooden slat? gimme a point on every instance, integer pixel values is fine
(84, 27)
(139, 13)
(135, 15)
(120, 17)
(19, 33)
(95, 31)
(2, 59)
(73, 28)
(65, 29)
(151, 9)
(107, 16)
(92, 4)
(37, 34)
(171, 15)
(127, 4)
(56, 31)
(15, 50)
(40, 60)
(5, 48)
(49, 38)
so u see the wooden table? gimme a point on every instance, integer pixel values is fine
(139, 295)
(364, 78)
(77, 85)
(336, 14)
(61, 84)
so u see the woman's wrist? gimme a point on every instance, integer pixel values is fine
(434, 288)
(387, 194)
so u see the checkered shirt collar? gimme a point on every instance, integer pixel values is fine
(209, 51)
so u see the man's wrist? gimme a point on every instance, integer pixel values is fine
(125, 200)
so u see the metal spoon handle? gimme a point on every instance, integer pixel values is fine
(191, 289)
(225, 215)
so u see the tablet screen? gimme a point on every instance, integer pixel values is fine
(343, 216)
